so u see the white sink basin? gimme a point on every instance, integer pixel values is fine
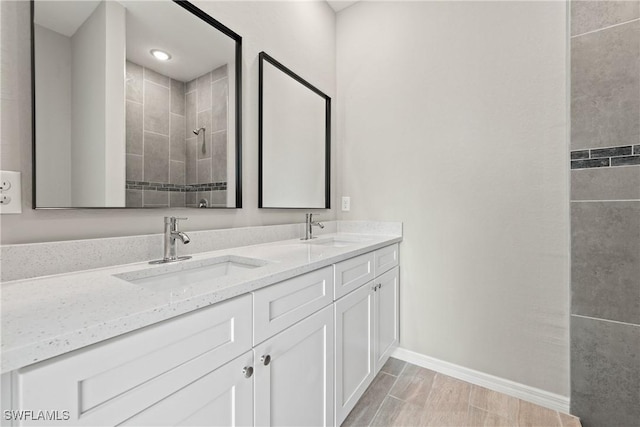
(336, 242)
(187, 273)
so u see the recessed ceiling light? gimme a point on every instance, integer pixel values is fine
(160, 55)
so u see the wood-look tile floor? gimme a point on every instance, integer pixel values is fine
(403, 394)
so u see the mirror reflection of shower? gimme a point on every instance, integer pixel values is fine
(204, 138)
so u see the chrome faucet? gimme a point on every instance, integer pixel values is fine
(171, 234)
(308, 229)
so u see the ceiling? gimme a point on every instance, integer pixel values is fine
(338, 5)
(195, 46)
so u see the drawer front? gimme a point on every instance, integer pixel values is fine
(386, 259)
(108, 383)
(281, 305)
(353, 273)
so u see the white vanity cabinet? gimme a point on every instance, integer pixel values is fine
(300, 352)
(132, 378)
(367, 329)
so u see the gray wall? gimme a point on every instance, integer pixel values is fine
(300, 34)
(605, 213)
(453, 119)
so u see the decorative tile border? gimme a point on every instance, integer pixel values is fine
(209, 186)
(624, 155)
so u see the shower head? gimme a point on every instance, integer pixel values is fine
(197, 131)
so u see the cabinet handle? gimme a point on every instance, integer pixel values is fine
(375, 288)
(247, 371)
(379, 285)
(266, 359)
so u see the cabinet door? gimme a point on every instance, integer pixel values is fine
(386, 320)
(294, 374)
(354, 348)
(223, 397)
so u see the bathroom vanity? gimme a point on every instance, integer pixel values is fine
(284, 333)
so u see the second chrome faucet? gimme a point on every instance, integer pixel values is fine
(308, 229)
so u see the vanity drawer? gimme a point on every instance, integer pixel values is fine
(279, 306)
(107, 383)
(386, 259)
(352, 273)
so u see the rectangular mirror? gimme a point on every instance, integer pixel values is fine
(294, 140)
(136, 104)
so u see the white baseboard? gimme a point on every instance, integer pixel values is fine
(511, 388)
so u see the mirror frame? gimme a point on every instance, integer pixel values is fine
(198, 13)
(262, 57)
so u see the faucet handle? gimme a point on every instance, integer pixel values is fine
(175, 221)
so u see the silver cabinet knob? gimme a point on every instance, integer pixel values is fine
(247, 371)
(266, 359)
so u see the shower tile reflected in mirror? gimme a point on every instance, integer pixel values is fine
(145, 137)
(173, 148)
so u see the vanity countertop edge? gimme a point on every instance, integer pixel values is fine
(50, 316)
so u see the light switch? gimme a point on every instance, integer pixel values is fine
(346, 203)
(10, 192)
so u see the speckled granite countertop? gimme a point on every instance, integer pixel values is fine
(48, 316)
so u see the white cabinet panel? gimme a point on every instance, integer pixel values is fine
(6, 396)
(223, 397)
(354, 348)
(281, 305)
(386, 322)
(296, 387)
(108, 383)
(353, 273)
(385, 259)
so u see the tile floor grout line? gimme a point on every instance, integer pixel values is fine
(606, 28)
(378, 410)
(605, 320)
(387, 395)
(394, 383)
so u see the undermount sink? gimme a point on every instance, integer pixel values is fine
(186, 273)
(336, 242)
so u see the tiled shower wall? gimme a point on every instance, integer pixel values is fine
(167, 164)
(605, 212)
(206, 155)
(155, 135)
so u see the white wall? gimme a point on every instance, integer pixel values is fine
(88, 125)
(98, 135)
(53, 80)
(299, 34)
(452, 119)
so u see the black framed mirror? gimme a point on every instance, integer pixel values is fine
(136, 104)
(294, 140)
